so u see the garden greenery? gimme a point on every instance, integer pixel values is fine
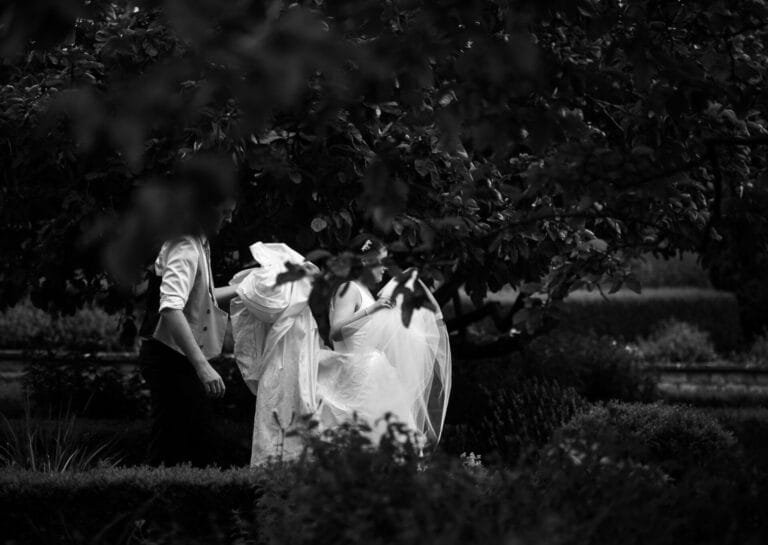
(600, 479)
(541, 145)
(675, 341)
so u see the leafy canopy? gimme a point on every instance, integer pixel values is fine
(535, 144)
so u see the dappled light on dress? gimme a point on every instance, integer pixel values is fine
(276, 346)
(380, 367)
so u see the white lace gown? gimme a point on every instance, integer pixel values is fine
(357, 380)
(381, 366)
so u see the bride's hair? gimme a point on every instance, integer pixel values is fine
(366, 248)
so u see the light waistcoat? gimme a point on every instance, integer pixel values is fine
(207, 321)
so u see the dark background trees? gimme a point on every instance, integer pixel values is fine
(537, 144)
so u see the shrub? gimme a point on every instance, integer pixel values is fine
(127, 440)
(51, 449)
(126, 505)
(516, 419)
(26, 326)
(87, 329)
(627, 315)
(757, 355)
(598, 367)
(677, 341)
(86, 389)
(599, 499)
(682, 271)
(651, 474)
(100, 389)
(357, 495)
(343, 491)
(676, 439)
(750, 427)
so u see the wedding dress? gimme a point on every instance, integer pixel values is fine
(381, 366)
(277, 349)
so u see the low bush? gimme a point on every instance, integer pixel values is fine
(750, 427)
(627, 315)
(25, 326)
(757, 355)
(126, 505)
(57, 448)
(675, 341)
(599, 499)
(515, 419)
(108, 390)
(344, 492)
(349, 493)
(683, 271)
(676, 439)
(126, 440)
(87, 389)
(598, 367)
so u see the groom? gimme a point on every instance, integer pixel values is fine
(184, 327)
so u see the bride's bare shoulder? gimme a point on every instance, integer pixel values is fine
(346, 290)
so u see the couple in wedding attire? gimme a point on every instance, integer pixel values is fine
(377, 365)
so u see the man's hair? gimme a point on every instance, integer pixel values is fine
(210, 178)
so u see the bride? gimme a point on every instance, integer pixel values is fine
(378, 366)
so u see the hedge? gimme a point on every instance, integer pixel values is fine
(90, 328)
(585, 488)
(109, 505)
(674, 438)
(127, 439)
(629, 315)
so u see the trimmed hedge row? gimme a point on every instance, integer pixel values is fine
(127, 439)
(601, 480)
(629, 315)
(111, 505)
(24, 326)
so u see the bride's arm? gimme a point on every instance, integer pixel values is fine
(346, 309)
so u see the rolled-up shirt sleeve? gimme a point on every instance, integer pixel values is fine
(178, 273)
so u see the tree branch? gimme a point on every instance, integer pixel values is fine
(445, 293)
(737, 141)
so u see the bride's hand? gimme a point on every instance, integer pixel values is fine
(381, 303)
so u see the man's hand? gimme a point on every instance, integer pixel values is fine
(212, 381)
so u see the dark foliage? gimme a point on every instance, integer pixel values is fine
(584, 488)
(625, 316)
(678, 440)
(99, 390)
(539, 144)
(511, 421)
(598, 367)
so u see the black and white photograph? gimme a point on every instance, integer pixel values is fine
(396, 272)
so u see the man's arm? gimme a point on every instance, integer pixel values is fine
(224, 294)
(184, 339)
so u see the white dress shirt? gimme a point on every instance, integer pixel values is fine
(187, 284)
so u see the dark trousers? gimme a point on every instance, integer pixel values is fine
(184, 426)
